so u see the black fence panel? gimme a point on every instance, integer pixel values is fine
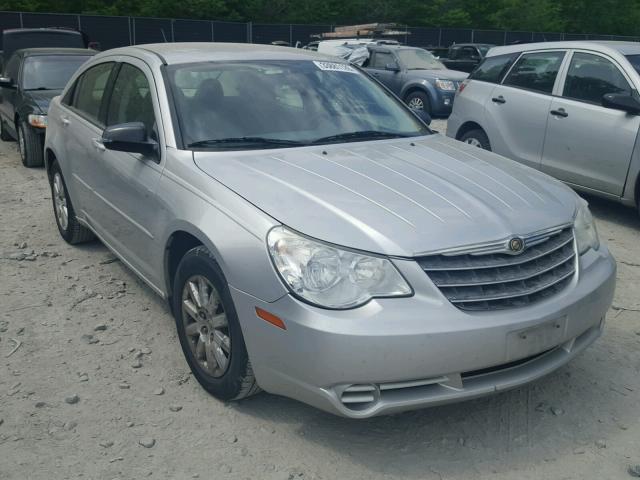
(109, 32)
(624, 38)
(450, 36)
(493, 37)
(230, 32)
(303, 33)
(39, 20)
(423, 37)
(547, 37)
(8, 20)
(574, 36)
(265, 33)
(517, 37)
(151, 30)
(192, 31)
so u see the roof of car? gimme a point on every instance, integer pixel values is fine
(44, 29)
(625, 48)
(473, 45)
(189, 52)
(30, 52)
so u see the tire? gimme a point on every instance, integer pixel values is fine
(209, 333)
(71, 230)
(4, 135)
(477, 138)
(30, 147)
(418, 101)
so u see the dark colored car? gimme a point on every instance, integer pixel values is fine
(465, 57)
(32, 77)
(416, 76)
(20, 38)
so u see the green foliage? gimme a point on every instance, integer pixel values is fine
(614, 17)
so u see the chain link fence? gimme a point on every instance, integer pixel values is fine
(113, 32)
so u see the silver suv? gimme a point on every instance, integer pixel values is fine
(313, 237)
(569, 109)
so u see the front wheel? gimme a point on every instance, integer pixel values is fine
(418, 101)
(476, 138)
(30, 146)
(209, 329)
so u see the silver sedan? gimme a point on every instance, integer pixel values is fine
(314, 237)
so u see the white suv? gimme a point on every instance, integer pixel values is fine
(570, 109)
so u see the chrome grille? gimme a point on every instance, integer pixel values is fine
(492, 281)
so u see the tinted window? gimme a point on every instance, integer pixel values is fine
(381, 59)
(466, 53)
(300, 101)
(50, 73)
(492, 69)
(131, 99)
(590, 77)
(13, 65)
(634, 60)
(90, 90)
(536, 71)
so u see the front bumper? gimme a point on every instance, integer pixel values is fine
(443, 104)
(393, 355)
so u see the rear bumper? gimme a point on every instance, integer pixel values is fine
(393, 355)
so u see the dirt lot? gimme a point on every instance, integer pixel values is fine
(98, 388)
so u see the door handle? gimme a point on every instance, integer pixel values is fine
(499, 99)
(561, 112)
(98, 144)
(65, 121)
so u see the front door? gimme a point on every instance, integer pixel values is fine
(587, 144)
(130, 214)
(517, 110)
(378, 68)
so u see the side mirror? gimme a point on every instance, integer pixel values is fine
(6, 82)
(423, 115)
(626, 103)
(129, 137)
(393, 67)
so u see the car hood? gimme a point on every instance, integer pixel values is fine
(395, 197)
(443, 74)
(42, 98)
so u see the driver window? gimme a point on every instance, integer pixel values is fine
(591, 77)
(131, 100)
(381, 60)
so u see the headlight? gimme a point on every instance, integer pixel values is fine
(331, 277)
(38, 121)
(446, 85)
(585, 230)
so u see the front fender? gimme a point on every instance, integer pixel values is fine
(423, 85)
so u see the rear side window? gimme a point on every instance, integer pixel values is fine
(90, 89)
(590, 77)
(536, 71)
(492, 69)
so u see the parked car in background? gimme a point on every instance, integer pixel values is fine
(416, 76)
(32, 78)
(466, 56)
(313, 237)
(21, 38)
(344, 46)
(569, 109)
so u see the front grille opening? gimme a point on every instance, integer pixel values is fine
(504, 366)
(494, 281)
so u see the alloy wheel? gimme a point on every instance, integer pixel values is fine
(416, 104)
(206, 326)
(60, 201)
(473, 142)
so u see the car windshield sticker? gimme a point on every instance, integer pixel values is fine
(335, 67)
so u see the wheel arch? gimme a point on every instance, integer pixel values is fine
(467, 127)
(417, 87)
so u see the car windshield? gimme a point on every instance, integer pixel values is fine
(418, 59)
(50, 72)
(634, 60)
(484, 49)
(262, 104)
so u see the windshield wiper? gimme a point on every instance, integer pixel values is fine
(254, 141)
(362, 135)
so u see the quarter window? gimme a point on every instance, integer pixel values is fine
(381, 60)
(590, 77)
(90, 90)
(131, 99)
(536, 71)
(492, 69)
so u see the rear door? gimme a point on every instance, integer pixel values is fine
(517, 110)
(587, 144)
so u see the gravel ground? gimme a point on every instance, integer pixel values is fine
(98, 387)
